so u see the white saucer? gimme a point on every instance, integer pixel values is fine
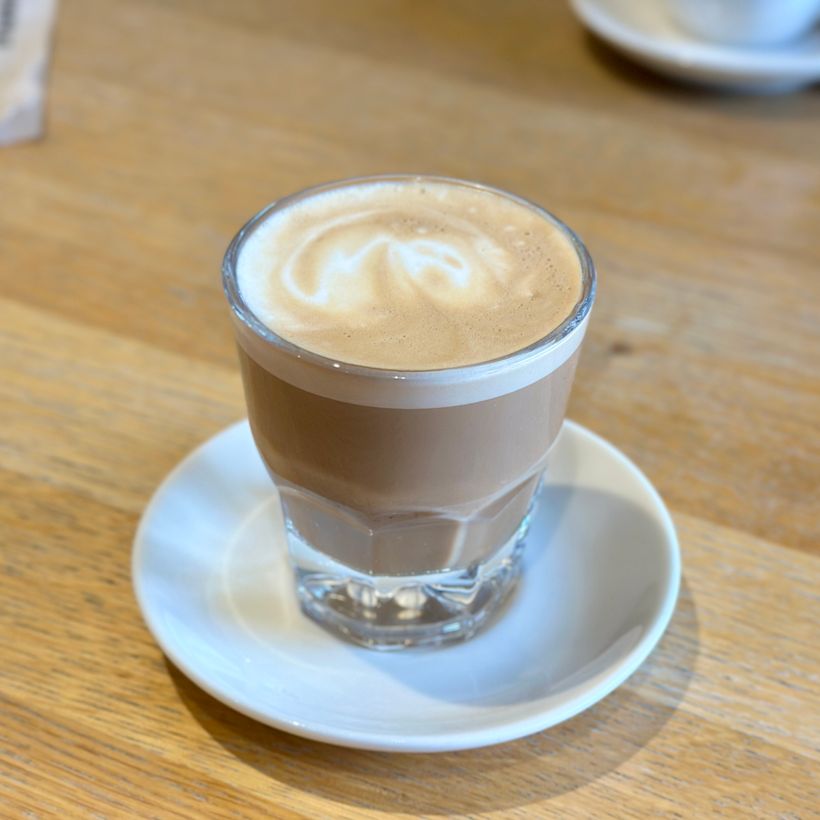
(600, 582)
(644, 32)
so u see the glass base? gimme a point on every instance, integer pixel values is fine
(395, 612)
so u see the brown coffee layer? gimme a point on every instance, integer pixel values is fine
(429, 488)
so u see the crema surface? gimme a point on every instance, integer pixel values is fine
(409, 274)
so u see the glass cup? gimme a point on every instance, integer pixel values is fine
(406, 494)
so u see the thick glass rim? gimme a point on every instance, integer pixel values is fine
(244, 314)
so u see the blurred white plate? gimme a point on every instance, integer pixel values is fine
(644, 31)
(600, 581)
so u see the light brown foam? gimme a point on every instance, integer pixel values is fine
(410, 274)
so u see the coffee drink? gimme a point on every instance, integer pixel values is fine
(407, 348)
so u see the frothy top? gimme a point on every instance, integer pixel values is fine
(409, 274)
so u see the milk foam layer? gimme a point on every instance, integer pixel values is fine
(410, 274)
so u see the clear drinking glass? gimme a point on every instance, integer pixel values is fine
(406, 494)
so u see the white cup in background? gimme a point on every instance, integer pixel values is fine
(745, 22)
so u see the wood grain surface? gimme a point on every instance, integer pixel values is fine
(169, 123)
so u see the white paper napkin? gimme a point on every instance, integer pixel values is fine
(25, 34)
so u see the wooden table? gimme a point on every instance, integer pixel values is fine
(170, 122)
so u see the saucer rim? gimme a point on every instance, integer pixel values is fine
(691, 56)
(575, 700)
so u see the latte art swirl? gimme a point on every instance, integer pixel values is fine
(347, 267)
(406, 275)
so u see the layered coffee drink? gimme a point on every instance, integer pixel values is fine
(407, 347)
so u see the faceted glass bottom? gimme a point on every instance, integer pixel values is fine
(395, 612)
